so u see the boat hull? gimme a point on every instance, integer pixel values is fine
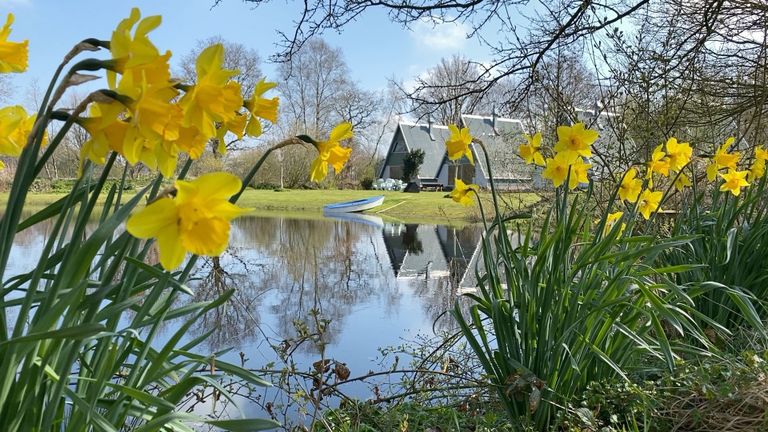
(354, 206)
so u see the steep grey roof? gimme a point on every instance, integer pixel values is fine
(502, 143)
(428, 252)
(417, 137)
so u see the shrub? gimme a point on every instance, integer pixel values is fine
(731, 284)
(411, 164)
(727, 393)
(367, 183)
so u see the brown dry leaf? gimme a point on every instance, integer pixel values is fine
(322, 366)
(342, 371)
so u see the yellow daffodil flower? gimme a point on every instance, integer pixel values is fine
(659, 163)
(761, 154)
(579, 171)
(152, 109)
(630, 186)
(21, 134)
(531, 152)
(557, 170)
(136, 147)
(331, 153)
(15, 127)
(679, 154)
(106, 129)
(260, 107)
(575, 140)
(192, 141)
(756, 170)
(134, 54)
(682, 182)
(236, 126)
(734, 181)
(458, 143)
(611, 220)
(649, 202)
(10, 119)
(196, 220)
(461, 192)
(14, 56)
(723, 159)
(214, 98)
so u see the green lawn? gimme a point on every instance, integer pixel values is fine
(420, 207)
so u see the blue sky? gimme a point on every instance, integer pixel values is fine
(375, 49)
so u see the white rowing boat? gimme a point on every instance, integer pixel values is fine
(354, 206)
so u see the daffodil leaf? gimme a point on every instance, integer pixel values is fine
(729, 247)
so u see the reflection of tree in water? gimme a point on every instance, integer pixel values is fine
(322, 266)
(411, 240)
(299, 266)
(236, 321)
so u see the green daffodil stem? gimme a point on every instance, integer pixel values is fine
(498, 217)
(69, 120)
(27, 170)
(482, 210)
(252, 173)
(490, 176)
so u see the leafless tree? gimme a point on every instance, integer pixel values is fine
(317, 91)
(447, 81)
(519, 33)
(522, 34)
(694, 67)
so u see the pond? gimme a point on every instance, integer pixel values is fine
(334, 289)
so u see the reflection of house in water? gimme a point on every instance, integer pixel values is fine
(468, 282)
(430, 252)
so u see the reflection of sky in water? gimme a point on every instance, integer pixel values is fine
(377, 284)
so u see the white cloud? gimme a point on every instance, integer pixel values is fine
(440, 36)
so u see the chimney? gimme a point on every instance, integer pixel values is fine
(429, 127)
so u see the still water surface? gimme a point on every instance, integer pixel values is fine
(375, 284)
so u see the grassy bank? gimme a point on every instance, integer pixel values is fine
(421, 207)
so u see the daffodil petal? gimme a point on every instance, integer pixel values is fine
(318, 169)
(341, 132)
(218, 185)
(172, 252)
(153, 219)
